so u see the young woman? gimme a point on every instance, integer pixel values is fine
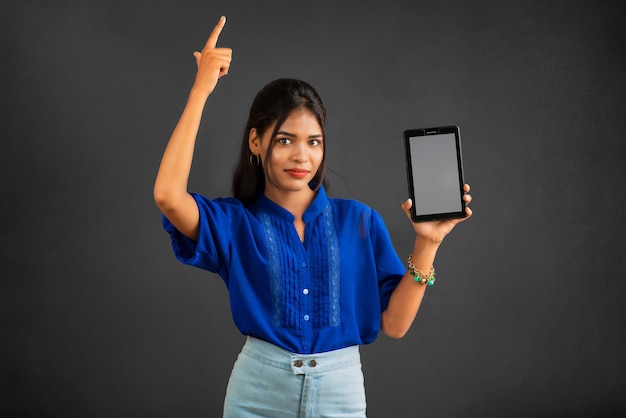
(310, 278)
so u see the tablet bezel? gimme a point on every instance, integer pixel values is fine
(411, 133)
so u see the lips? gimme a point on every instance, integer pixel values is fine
(297, 172)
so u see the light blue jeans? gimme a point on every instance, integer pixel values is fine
(268, 381)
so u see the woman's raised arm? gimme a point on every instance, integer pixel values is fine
(170, 187)
(407, 297)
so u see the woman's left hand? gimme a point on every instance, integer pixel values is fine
(436, 231)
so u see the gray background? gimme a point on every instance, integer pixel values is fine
(527, 317)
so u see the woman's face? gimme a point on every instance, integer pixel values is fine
(296, 154)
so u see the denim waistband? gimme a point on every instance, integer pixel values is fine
(308, 364)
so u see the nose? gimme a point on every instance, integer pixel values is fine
(299, 153)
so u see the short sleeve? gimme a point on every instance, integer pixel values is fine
(212, 250)
(389, 267)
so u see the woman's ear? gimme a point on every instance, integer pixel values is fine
(254, 141)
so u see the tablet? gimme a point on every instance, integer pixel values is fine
(435, 173)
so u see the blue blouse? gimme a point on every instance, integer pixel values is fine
(324, 294)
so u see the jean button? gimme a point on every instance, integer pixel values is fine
(298, 363)
(312, 363)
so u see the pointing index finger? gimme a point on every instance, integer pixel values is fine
(212, 41)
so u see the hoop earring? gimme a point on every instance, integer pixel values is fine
(254, 163)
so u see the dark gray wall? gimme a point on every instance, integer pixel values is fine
(527, 317)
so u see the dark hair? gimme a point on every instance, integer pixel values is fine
(273, 104)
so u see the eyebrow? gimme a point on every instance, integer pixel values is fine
(294, 135)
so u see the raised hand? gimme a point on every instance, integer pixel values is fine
(437, 230)
(213, 62)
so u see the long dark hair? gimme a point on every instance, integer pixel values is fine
(274, 103)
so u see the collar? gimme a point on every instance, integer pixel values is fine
(263, 204)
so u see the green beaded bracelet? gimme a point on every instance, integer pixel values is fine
(420, 277)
